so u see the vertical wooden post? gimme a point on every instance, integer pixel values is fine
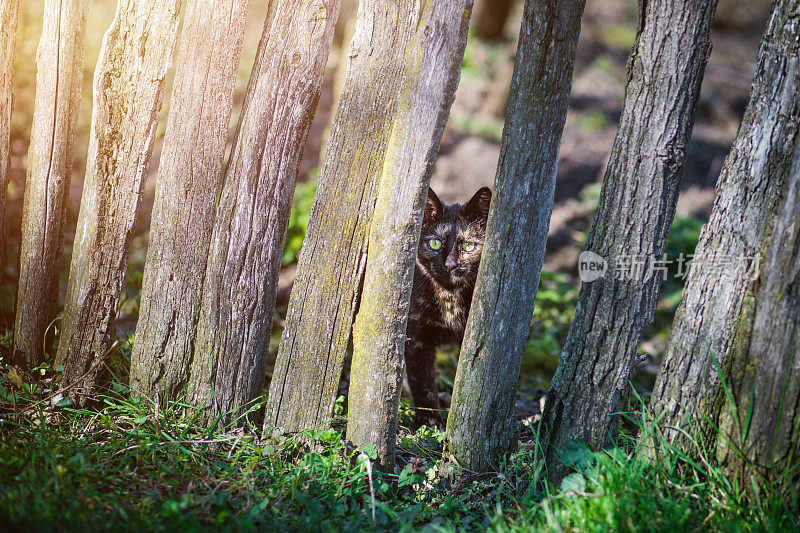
(189, 179)
(688, 394)
(228, 368)
(333, 257)
(59, 79)
(634, 215)
(759, 441)
(432, 70)
(480, 426)
(9, 10)
(135, 57)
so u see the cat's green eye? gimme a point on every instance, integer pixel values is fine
(468, 246)
(435, 244)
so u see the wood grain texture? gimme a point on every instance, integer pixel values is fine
(135, 56)
(688, 390)
(481, 426)
(432, 70)
(9, 14)
(59, 79)
(229, 364)
(634, 215)
(189, 179)
(759, 441)
(333, 256)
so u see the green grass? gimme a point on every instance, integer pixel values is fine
(128, 466)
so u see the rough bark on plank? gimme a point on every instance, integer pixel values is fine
(759, 443)
(9, 11)
(481, 425)
(59, 79)
(688, 392)
(333, 256)
(229, 364)
(634, 215)
(432, 70)
(189, 180)
(135, 56)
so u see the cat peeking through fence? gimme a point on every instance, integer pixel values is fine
(450, 247)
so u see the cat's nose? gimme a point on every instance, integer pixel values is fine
(450, 263)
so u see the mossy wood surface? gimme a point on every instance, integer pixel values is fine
(634, 214)
(481, 425)
(433, 66)
(59, 79)
(760, 420)
(135, 56)
(334, 253)
(189, 178)
(229, 364)
(9, 11)
(719, 293)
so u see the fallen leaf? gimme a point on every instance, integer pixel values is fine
(15, 377)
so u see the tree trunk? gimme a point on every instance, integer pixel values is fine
(228, 369)
(490, 18)
(8, 37)
(432, 70)
(688, 390)
(481, 426)
(59, 79)
(760, 422)
(136, 54)
(333, 257)
(634, 214)
(189, 179)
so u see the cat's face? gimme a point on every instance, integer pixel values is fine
(451, 240)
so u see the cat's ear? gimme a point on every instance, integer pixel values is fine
(478, 206)
(433, 206)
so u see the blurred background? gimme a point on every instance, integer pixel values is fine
(468, 156)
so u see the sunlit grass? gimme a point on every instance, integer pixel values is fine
(128, 465)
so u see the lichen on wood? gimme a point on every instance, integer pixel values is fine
(333, 257)
(759, 422)
(432, 68)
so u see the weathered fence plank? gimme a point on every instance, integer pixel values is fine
(634, 215)
(9, 10)
(432, 70)
(189, 180)
(59, 79)
(759, 441)
(481, 425)
(228, 368)
(135, 57)
(688, 393)
(333, 258)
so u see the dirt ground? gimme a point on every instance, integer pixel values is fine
(470, 146)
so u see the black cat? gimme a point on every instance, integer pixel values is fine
(450, 246)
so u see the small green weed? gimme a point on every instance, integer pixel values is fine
(298, 220)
